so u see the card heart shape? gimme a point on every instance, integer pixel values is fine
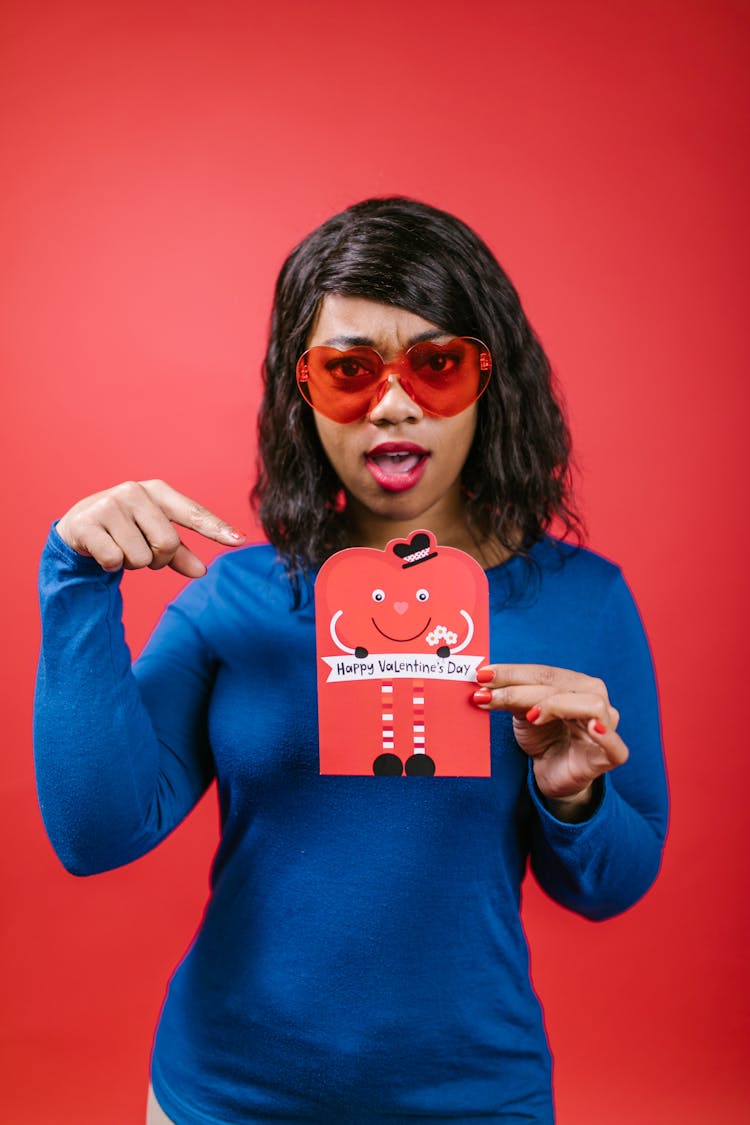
(418, 542)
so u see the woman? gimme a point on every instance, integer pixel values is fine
(361, 958)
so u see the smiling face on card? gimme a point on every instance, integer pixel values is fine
(399, 463)
(383, 605)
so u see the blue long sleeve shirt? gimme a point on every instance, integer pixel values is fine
(361, 957)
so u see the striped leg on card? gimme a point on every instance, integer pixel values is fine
(387, 763)
(420, 764)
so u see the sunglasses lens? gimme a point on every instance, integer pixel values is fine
(448, 378)
(442, 379)
(339, 385)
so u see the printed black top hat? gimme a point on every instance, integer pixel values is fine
(415, 550)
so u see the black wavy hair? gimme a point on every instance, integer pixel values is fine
(517, 477)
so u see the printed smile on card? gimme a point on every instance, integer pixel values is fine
(401, 640)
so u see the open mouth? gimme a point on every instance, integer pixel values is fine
(396, 466)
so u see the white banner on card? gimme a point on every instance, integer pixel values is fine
(402, 666)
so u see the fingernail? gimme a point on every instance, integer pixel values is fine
(481, 695)
(485, 675)
(599, 728)
(235, 534)
(533, 714)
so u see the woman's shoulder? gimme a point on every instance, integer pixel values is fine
(254, 558)
(574, 561)
(559, 556)
(251, 579)
(256, 562)
(555, 569)
(257, 566)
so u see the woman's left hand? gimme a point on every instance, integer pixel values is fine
(564, 721)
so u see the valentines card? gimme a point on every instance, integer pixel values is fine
(400, 635)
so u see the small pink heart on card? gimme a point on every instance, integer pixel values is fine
(400, 607)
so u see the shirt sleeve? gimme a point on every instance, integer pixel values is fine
(603, 865)
(121, 753)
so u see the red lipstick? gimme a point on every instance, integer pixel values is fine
(397, 465)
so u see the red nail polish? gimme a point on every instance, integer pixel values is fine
(485, 675)
(533, 714)
(235, 534)
(481, 695)
(599, 728)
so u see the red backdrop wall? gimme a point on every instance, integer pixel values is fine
(159, 161)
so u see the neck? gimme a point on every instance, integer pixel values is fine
(447, 521)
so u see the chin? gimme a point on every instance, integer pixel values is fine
(403, 506)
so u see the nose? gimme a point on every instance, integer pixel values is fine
(393, 404)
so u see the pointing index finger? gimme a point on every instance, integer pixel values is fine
(189, 513)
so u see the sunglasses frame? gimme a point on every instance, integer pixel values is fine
(387, 371)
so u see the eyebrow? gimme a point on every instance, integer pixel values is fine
(368, 342)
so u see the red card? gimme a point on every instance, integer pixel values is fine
(400, 635)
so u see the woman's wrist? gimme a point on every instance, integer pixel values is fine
(572, 809)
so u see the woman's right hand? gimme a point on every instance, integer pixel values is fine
(132, 526)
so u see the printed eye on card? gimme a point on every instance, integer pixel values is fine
(400, 635)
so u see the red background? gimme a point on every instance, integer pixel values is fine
(159, 160)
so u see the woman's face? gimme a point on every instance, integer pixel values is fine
(399, 464)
